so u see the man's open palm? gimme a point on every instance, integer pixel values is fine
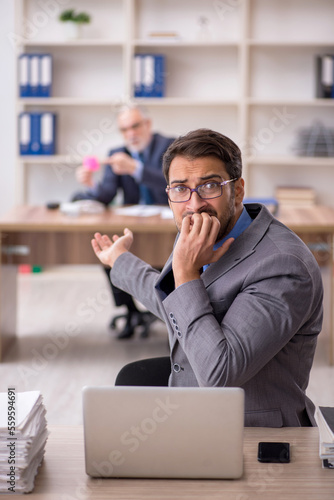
(108, 250)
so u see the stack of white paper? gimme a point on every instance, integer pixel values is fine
(325, 421)
(23, 435)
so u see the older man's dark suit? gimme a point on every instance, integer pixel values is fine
(106, 190)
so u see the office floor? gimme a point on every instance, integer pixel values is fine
(64, 342)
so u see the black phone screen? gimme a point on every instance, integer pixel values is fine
(274, 452)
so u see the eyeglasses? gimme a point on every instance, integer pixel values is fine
(207, 191)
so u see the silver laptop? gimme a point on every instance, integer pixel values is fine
(163, 432)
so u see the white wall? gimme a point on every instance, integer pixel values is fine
(7, 107)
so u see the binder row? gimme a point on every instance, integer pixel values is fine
(35, 75)
(37, 133)
(149, 75)
(325, 76)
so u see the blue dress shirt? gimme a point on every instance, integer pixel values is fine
(242, 223)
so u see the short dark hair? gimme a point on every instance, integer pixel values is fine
(201, 143)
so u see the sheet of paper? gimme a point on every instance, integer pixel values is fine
(145, 211)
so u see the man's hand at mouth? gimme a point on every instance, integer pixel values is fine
(194, 248)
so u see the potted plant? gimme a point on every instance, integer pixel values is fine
(73, 21)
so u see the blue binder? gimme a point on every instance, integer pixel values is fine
(24, 133)
(37, 133)
(325, 76)
(159, 76)
(24, 70)
(149, 75)
(137, 76)
(35, 75)
(45, 75)
(47, 133)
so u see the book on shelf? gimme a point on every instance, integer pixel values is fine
(23, 436)
(37, 133)
(325, 420)
(149, 75)
(295, 196)
(35, 75)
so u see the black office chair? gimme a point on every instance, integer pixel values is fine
(134, 319)
(153, 372)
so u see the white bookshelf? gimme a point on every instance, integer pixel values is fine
(251, 77)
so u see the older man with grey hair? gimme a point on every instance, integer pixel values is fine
(135, 171)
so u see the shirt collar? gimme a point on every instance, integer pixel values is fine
(242, 223)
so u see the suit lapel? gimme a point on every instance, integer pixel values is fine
(241, 248)
(244, 246)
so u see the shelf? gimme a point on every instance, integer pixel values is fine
(297, 161)
(292, 102)
(82, 42)
(67, 101)
(183, 43)
(290, 43)
(48, 159)
(180, 101)
(165, 101)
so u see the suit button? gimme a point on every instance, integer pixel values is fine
(176, 368)
(178, 332)
(171, 315)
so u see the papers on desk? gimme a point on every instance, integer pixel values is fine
(84, 207)
(145, 211)
(23, 435)
(325, 420)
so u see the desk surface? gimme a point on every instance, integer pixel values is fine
(52, 238)
(62, 475)
(38, 218)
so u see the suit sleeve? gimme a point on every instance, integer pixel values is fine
(228, 341)
(104, 191)
(137, 278)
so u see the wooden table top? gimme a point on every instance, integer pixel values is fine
(62, 475)
(318, 218)
(38, 218)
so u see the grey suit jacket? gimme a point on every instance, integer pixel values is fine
(251, 321)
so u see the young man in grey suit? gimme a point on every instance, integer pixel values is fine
(241, 294)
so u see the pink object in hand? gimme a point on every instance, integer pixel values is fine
(91, 163)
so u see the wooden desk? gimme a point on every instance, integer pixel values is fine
(37, 236)
(51, 238)
(54, 238)
(62, 475)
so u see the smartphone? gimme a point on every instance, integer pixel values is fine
(274, 453)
